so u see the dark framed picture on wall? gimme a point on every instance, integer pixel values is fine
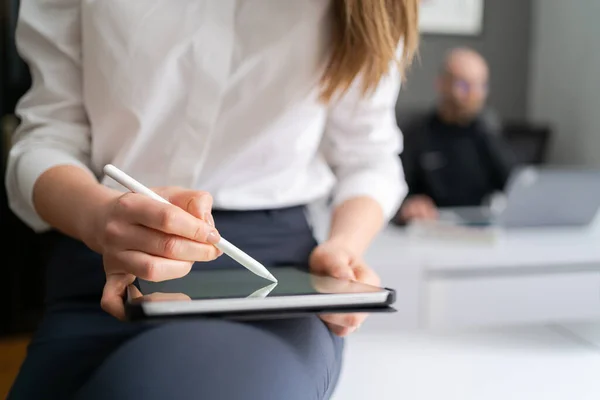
(451, 17)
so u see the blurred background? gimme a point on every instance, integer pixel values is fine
(482, 313)
(543, 58)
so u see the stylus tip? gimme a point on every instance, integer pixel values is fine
(272, 278)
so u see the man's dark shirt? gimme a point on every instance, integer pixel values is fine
(455, 165)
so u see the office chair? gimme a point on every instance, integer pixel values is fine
(24, 252)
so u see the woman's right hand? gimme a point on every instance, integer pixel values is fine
(141, 237)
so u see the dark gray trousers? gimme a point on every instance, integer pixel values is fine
(81, 352)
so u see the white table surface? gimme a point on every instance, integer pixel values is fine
(385, 361)
(391, 357)
(505, 364)
(544, 276)
(396, 246)
(517, 248)
(530, 275)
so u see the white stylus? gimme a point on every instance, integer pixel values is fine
(225, 246)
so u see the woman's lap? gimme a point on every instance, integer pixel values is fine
(86, 351)
(78, 347)
(68, 346)
(222, 360)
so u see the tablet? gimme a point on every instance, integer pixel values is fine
(237, 293)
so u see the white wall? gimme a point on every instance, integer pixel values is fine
(565, 77)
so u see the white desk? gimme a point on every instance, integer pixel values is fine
(529, 276)
(479, 321)
(496, 364)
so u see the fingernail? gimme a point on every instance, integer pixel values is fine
(213, 237)
(206, 217)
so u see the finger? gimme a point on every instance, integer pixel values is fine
(340, 330)
(159, 296)
(134, 292)
(113, 293)
(331, 266)
(339, 271)
(140, 238)
(328, 284)
(430, 209)
(405, 215)
(427, 212)
(409, 209)
(364, 274)
(211, 220)
(412, 211)
(429, 201)
(425, 209)
(195, 202)
(353, 320)
(422, 211)
(146, 266)
(166, 218)
(433, 213)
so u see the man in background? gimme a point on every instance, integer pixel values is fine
(454, 157)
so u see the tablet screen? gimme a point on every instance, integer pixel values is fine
(241, 283)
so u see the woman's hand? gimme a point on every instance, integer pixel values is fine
(333, 259)
(141, 237)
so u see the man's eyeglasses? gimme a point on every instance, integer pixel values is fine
(467, 87)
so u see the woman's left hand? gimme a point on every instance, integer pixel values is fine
(333, 259)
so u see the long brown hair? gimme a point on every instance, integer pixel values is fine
(366, 35)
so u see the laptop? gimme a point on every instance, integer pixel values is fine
(538, 197)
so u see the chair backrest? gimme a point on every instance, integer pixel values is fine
(528, 142)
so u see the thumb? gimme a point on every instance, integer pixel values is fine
(113, 295)
(332, 264)
(342, 271)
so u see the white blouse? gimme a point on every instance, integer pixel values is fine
(220, 96)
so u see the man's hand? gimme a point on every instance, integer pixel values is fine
(418, 207)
